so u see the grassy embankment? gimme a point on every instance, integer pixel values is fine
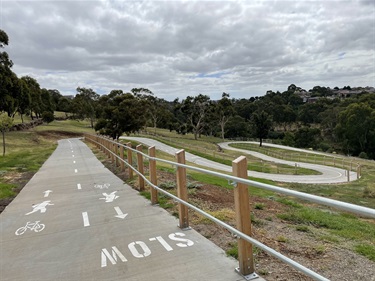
(26, 151)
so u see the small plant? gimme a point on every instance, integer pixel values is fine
(233, 251)
(259, 206)
(369, 192)
(268, 219)
(366, 250)
(168, 185)
(302, 228)
(191, 185)
(263, 271)
(282, 239)
(320, 249)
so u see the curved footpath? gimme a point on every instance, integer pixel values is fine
(329, 175)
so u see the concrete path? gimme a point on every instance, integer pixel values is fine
(329, 175)
(75, 220)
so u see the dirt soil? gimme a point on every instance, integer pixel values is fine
(333, 260)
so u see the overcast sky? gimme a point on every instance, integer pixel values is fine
(181, 48)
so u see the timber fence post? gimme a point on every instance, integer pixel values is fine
(243, 219)
(153, 176)
(130, 159)
(122, 164)
(182, 190)
(141, 181)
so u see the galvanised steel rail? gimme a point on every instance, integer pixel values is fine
(368, 212)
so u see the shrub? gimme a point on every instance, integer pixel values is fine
(48, 116)
(363, 155)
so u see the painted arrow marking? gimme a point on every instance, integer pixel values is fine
(47, 192)
(120, 214)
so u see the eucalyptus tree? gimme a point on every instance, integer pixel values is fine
(225, 111)
(84, 104)
(7, 77)
(6, 123)
(34, 91)
(262, 123)
(120, 113)
(195, 110)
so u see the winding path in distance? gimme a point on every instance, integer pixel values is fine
(329, 175)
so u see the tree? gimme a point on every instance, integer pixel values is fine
(8, 79)
(6, 123)
(225, 111)
(195, 110)
(24, 101)
(262, 123)
(35, 95)
(84, 104)
(356, 128)
(121, 113)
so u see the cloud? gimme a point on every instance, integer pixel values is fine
(180, 48)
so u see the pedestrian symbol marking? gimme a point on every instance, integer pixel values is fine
(109, 197)
(79, 186)
(33, 226)
(40, 207)
(47, 192)
(85, 217)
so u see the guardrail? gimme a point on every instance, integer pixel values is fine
(115, 151)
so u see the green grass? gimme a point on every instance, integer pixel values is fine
(366, 250)
(343, 225)
(26, 151)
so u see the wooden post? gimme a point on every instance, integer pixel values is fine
(153, 177)
(112, 146)
(243, 219)
(348, 175)
(122, 164)
(141, 181)
(130, 159)
(116, 158)
(182, 190)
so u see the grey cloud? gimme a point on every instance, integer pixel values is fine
(161, 45)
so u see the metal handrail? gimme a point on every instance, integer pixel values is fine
(317, 199)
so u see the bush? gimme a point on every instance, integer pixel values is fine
(363, 155)
(48, 116)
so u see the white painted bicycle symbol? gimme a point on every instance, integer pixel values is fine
(35, 226)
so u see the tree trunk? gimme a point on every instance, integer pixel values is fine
(260, 142)
(22, 117)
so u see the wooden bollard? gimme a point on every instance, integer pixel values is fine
(141, 181)
(153, 176)
(243, 219)
(182, 190)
